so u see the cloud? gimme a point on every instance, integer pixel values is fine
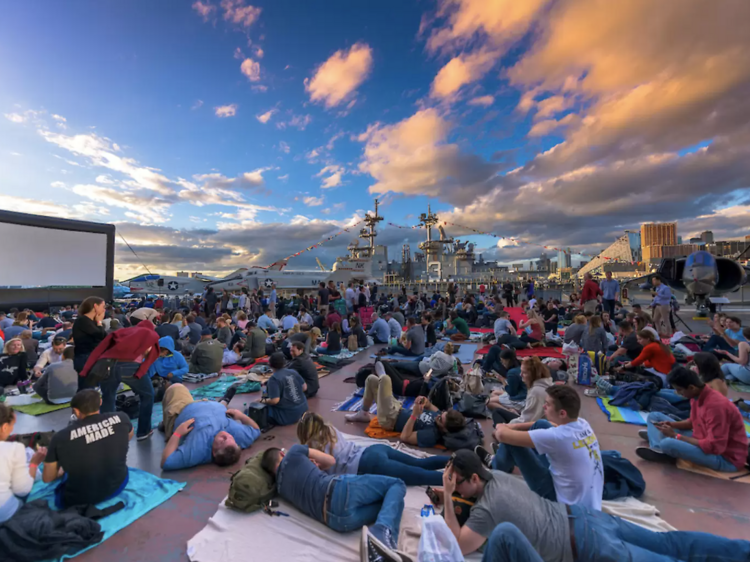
(284, 147)
(266, 117)
(298, 121)
(545, 127)
(197, 105)
(460, 71)
(238, 54)
(258, 51)
(237, 12)
(226, 110)
(334, 173)
(412, 157)
(144, 209)
(205, 10)
(15, 117)
(246, 180)
(57, 184)
(251, 69)
(50, 208)
(484, 101)
(313, 201)
(283, 178)
(337, 79)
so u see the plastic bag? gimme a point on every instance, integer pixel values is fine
(437, 543)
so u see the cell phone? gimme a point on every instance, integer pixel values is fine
(432, 494)
(427, 375)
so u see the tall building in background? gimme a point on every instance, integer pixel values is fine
(655, 235)
(707, 236)
(563, 259)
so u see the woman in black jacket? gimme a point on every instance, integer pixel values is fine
(88, 332)
(13, 363)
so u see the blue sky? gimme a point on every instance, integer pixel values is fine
(227, 133)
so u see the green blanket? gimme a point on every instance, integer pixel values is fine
(41, 408)
(218, 388)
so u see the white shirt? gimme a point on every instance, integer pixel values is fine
(14, 471)
(532, 303)
(350, 295)
(575, 462)
(47, 358)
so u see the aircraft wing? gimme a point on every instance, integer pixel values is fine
(640, 280)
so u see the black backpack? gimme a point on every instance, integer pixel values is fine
(129, 404)
(441, 395)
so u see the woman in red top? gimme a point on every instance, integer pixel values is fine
(655, 355)
(536, 323)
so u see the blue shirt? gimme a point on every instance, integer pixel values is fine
(380, 330)
(394, 328)
(609, 288)
(288, 322)
(663, 295)
(265, 322)
(736, 336)
(210, 419)
(286, 384)
(301, 483)
(272, 298)
(428, 434)
(502, 327)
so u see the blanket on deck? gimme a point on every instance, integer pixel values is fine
(354, 403)
(143, 493)
(33, 405)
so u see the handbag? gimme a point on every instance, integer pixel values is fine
(258, 412)
(101, 371)
(472, 381)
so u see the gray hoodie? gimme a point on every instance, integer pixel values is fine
(534, 408)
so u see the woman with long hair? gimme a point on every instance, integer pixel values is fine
(655, 355)
(710, 371)
(537, 378)
(333, 341)
(313, 431)
(88, 332)
(14, 364)
(739, 370)
(595, 338)
(536, 323)
(177, 320)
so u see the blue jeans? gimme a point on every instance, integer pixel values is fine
(682, 450)
(605, 538)
(123, 372)
(401, 350)
(491, 361)
(508, 544)
(362, 500)
(451, 331)
(386, 461)
(718, 342)
(533, 466)
(325, 351)
(735, 371)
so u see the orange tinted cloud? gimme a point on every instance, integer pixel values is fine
(337, 79)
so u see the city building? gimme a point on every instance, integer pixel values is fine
(707, 236)
(654, 235)
(563, 259)
(626, 249)
(544, 263)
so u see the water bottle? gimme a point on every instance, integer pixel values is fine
(244, 408)
(427, 510)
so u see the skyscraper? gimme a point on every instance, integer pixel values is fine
(707, 236)
(657, 234)
(563, 259)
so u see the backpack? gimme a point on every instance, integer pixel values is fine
(251, 487)
(583, 371)
(474, 406)
(468, 438)
(599, 361)
(351, 343)
(441, 395)
(131, 405)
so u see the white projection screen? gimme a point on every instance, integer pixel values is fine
(54, 258)
(51, 262)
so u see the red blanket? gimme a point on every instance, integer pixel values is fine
(516, 314)
(538, 351)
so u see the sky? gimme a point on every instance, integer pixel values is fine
(221, 134)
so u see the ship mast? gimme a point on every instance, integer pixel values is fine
(369, 233)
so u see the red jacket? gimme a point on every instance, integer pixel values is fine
(590, 291)
(718, 427)
(128, 344)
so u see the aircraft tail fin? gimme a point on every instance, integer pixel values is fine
(277, 266)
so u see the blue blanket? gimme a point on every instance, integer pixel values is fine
(143, 493)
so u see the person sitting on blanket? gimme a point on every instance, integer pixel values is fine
(394, 327)
(333, 341)
(513, 395)
(357, 330)
(306, 368)
(739, 370)
(59, 382)
(92, 451)
(171, 365)
(457, 327)
(655, 355)
(574, 333)
(710, 371)
(231, 356)
(518, 525)
(50, 355)
(629, 349)
(428, 325)
(285, 396)
(726, 338)
(313, 431)
(207, 355)
(423, 426)
(413, 341)
(17, 470)
(380, 331)
(559, 457)
(342, 503)
(714, 436)
(537, 378)
(206, 431)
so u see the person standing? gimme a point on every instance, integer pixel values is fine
(661, 306)
(610, 293)
(590, 294)
(88, 332)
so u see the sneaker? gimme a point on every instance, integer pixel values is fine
(379, 369)
(649, 454)
(495, 446)
(144, 437)
(484, 455)
(229, 394)
(360, 416)
(377, 545)
(595, 392)
(160, 427)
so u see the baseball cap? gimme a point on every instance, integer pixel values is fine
(467, 463)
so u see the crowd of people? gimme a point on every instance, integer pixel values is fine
(553, 514)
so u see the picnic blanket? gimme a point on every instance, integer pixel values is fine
(217, 389)
(230, 535)
(143, 493)
(33, 405)
(553, 352)
(739, 387)
(397, 357)
(354, 403)
(742, 476)
(626, 415)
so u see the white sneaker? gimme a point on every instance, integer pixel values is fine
(360, 416)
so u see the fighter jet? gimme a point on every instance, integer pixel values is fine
(700, 275)
(167, 284)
